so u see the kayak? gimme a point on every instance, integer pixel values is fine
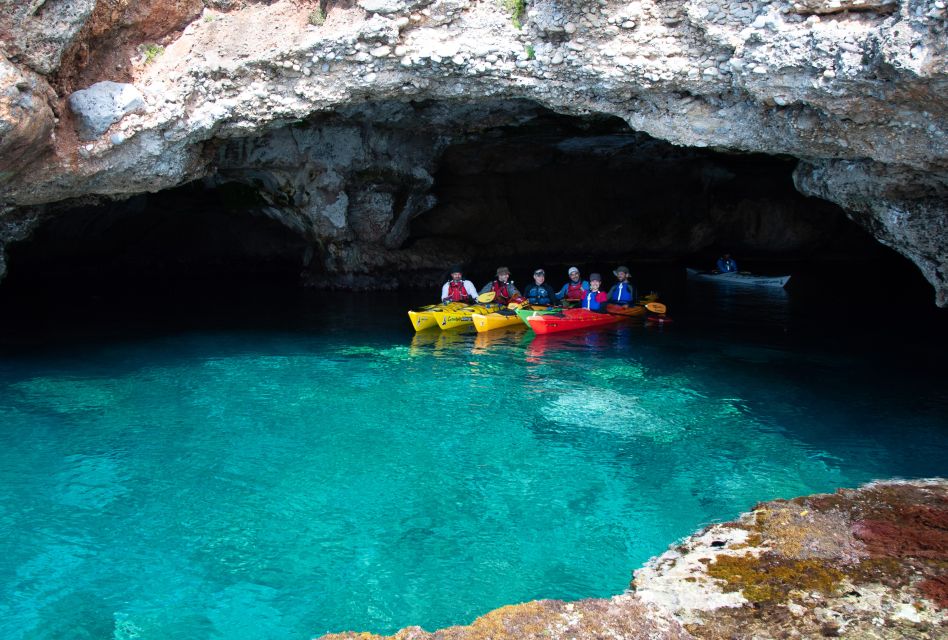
(458, 318)
(659, 318)
(570, 320)
(497, 320)
(631, 311)
(423, 318)
(739, 278)
(523, 314)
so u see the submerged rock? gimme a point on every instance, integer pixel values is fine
(864, 563)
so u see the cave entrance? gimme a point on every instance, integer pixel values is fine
(562, 190)
(190, 237)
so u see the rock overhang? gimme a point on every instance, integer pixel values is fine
(816, 81)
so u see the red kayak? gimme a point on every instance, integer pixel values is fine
(570, 320)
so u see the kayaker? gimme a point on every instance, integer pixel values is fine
(594, 299)
(539, 293)
(502, 286)
(726, 264)
(622, 292)
(575, 289)
(457, 289)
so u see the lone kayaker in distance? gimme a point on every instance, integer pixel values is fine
(458, 290)
(502, 286)
(575, 289)
(726, 264)
(594, 299)
(539, 293)
(622, 292)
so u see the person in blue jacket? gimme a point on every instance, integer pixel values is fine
(622, 292)
(594, 300)
(539, 292)
(726, 264)
(575, 289)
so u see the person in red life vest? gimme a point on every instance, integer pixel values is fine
(575, 289)
(594, 299)
(457, 289)
(502, 286)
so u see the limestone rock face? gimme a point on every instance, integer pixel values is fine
(835, 83)
(26, 120)
(37, 33)
(904, 208)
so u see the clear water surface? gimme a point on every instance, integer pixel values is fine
(270, 469)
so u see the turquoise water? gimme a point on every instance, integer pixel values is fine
(281, 478)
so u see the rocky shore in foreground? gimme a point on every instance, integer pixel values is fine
(865, 563)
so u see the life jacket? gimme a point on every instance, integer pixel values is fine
(539, 295)
(575, 291)
(501, 292)
(623, 293)
(457, 292)
(590, 302)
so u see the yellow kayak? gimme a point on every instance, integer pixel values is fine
(423, 318)
(458, 318)
(497, 320)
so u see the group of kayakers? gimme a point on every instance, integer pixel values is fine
(576, 292)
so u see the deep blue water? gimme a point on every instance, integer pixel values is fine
(278, 464)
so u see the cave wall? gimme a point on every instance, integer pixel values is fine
(389, 193)
(850, 87)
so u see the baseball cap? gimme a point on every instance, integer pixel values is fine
(595, 276)
(619, 270)
(572, 270)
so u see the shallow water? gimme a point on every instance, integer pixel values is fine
(280, 467)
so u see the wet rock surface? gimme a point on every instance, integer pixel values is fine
(865, 563)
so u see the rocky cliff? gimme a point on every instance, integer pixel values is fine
(338, 114)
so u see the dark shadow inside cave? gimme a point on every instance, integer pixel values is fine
(193, 235)
(563, 190)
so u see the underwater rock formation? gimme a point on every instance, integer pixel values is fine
(864, 563)
(833, 83)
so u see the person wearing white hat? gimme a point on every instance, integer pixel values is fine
(575, 289)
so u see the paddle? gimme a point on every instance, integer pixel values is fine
(487, 297)
(656, 307)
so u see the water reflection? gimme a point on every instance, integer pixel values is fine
(440, 342)
(507, 336)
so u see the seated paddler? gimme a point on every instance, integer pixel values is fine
(502, 286)
(575, 288)
(622, 292)
(539, 293)
(457, 289)
(594, 299)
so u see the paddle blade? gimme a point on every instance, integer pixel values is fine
(513, 306)
(656, 307)
(486, 297)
